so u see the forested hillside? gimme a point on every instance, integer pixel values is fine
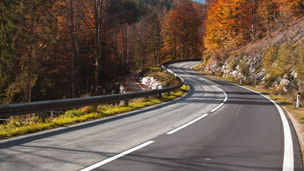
(259, 42)
(71, 48)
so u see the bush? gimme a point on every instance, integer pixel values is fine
(269, 58)
(244, 67)
(300, 63)
(233, 61)
(277, 61)
(284, 60)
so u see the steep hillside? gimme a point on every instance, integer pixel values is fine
(274, 62)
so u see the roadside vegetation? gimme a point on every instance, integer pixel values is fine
(20, 126)
(51, 50)
(164, 78)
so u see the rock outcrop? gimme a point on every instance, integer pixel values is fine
(151, 83)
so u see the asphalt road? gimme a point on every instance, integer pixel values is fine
(216, 126)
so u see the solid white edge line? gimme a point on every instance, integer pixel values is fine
(225, 94)
(103, 162)
(288, 159)
(226, 97)
(187, 124)
(219, 106)
(225, 100)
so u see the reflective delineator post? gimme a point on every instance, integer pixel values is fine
(298, 100)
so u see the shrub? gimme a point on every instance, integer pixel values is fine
(300, 63)
(244, 67)
(284, 60)
(233, 61)
(277, 61)
(269, 58)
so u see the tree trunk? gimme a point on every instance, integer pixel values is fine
(125, 39)
(253, 13)
(32, 53)
(125, 46)
(78, 63)
(72, 42)
(97, 17)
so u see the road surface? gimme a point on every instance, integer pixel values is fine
(216, 126)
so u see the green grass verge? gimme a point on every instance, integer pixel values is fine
(15, 128)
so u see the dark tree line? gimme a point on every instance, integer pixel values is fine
(71, 48)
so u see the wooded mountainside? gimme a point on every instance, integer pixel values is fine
(70, 48)
(259, 42)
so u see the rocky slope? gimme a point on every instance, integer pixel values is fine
(246, 64)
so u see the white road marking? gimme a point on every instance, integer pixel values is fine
(225, 100)
(288, 159)
(226, 97)
(225, 94)
(187, 124)
(103, 162)
(219, 106)
(170, 71)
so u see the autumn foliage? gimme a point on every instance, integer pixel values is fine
(231, 24)
(182, 31)
(68, 48)
(72, 48)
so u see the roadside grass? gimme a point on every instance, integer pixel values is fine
(15, 128)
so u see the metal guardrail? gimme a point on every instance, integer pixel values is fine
(64, 104)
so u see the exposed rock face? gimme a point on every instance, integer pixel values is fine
(151, 83)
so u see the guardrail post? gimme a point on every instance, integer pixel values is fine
(52, 115)
(298, 100)
(126, 102)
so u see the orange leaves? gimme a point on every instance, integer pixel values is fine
(181, 31)
(230, 23)
(234, 23)
(288, 8)
(219, 24)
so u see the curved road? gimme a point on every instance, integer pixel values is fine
(216, 126)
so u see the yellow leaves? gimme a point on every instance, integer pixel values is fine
(227, 24)
(288, 8)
